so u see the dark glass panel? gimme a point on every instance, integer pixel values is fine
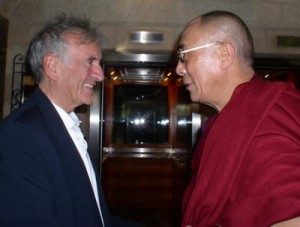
(183, 116)
(140, 114)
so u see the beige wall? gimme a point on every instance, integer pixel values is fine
(116, 18)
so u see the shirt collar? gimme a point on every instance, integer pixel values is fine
(70, 120)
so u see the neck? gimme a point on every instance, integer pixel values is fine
(55, 97)
(240, 77)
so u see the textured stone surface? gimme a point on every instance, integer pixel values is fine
(115, 19)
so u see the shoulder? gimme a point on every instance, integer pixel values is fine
(25, 118)
(32, 113)
(19, 128)
(24, 135)
(24, 125)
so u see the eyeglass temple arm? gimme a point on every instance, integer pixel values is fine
(199, 47)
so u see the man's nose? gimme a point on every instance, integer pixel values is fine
(180, 69)
(98, 73)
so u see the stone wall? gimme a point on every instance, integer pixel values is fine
(116, 18)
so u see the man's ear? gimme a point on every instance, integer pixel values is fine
(50, 63)
(227, 55)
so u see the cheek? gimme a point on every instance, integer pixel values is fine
(202, 78)
(195, 73)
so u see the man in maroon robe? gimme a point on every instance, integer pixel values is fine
(246, 168)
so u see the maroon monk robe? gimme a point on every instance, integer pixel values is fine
(247, 166)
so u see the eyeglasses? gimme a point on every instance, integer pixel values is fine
(180, 52)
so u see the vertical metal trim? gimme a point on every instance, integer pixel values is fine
(95, 129)
(101, 122)
(196, 125)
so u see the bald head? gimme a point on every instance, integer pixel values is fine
(215, 55)
(229, 28)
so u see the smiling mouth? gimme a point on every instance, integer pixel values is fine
(89, 86)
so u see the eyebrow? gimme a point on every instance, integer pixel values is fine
(92, 58)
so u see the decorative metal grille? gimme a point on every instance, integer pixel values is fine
(17, 91)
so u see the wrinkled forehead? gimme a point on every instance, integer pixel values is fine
(92, 48)
(79, 46)
(78, 38)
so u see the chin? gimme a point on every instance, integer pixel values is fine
(87, 102)
(194, 99)
(87, 99)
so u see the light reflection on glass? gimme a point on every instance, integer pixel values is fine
(138, 121)
(140, 114)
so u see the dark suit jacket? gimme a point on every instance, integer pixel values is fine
(43, 181)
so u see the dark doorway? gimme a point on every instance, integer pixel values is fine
(3, 49)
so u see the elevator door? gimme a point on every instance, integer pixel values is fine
(147, 146)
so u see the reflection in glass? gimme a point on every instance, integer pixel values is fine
(140, 114)
(183, 116)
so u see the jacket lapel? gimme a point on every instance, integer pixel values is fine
(71, 162)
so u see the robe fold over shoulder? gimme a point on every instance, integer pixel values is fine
(246, 168)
